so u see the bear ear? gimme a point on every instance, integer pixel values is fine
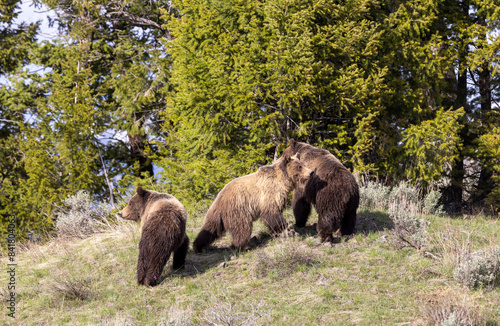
(140, 191)
(292, 142)
(283, 165)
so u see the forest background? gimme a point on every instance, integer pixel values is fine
(184, 96)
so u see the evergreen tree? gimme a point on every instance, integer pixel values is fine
(247, 75)
(16, 38)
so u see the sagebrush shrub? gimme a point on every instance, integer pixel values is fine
(374, 195)
(405, 210)
(405, 193)
(431, 203)
(81, 216)
(447, 309)
(479, 269)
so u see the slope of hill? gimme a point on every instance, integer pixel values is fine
(370, 279)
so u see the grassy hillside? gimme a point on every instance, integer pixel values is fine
(370, 279)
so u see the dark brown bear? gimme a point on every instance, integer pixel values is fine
(163, 231)
(332, 190)
(243, 200)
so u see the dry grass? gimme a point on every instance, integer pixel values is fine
(72, 287)
(451, 244)
(450, 309)
(283, 259)
(223, 312)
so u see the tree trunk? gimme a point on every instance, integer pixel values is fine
(452, 198)
(485, 184)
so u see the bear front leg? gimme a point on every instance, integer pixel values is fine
(348, 222)
(301, 207)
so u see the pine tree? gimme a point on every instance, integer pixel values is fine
(15, 41)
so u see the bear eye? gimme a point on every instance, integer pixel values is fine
(300, 168)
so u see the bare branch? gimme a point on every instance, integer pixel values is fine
(125, 16)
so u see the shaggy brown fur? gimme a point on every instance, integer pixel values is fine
(332, 190)
(163, 231)
(243, 200)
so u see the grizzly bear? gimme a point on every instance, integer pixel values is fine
(163, 231)
(243, 200)
(332, 190)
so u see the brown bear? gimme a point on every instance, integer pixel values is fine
(243, 200)
(163, 231)
(332, 190)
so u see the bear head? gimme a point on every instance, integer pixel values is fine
(306, 151)
(136, 205)
(292, 149)
(292, 168)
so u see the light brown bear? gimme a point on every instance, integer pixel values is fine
(163, 231)
(243, 200)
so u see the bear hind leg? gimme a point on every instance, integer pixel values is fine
(275, 222)
(348, 223)
(155, 248)
(150, 265)
(180, 254)
(326, 227)
(142, 268)
(241, 235)
(212, 229)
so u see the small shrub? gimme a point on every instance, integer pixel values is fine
(405, 210)
(282, 260)
(73, 288)
(81, 217)
(431, 203)
(479, 269)
(405, 193)
(374, 195)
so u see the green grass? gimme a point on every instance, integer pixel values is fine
(365, 280)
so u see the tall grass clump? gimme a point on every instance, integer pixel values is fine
(81, 216)
(479, 269)
(76, 287)
(223, 312)
(405, 210)
(446, 309)
(282, 260)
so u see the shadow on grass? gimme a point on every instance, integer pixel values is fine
(366, 222)
(213, 256)
(370, 222)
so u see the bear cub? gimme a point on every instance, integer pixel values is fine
(245, 199)
(163, 231)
